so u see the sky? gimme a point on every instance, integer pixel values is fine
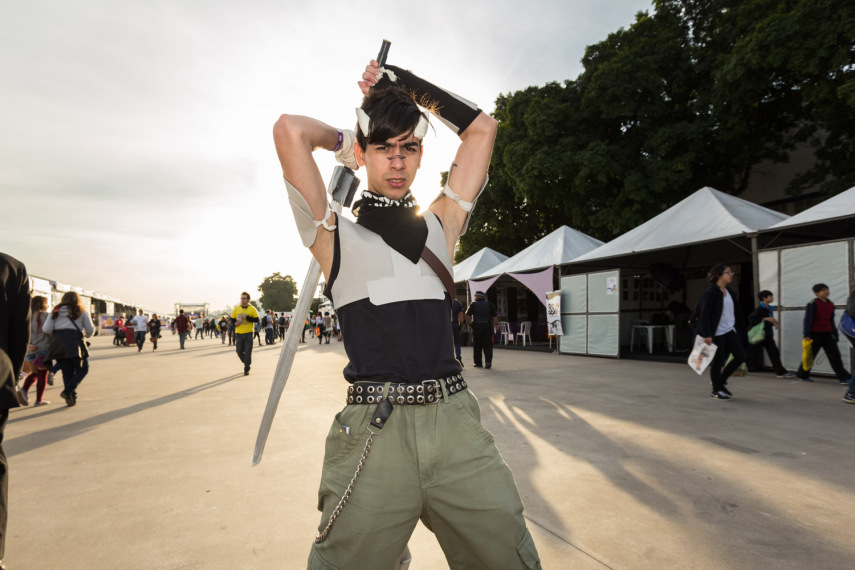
(136, 154)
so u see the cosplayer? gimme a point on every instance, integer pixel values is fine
(409, 444)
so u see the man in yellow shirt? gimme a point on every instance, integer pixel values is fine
(245, 317)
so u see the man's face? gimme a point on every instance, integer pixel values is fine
(392, 165)
(244, 300)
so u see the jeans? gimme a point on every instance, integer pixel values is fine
(727, 344)
(73, 372)
(243, 343)
(139, 339)
(455, 332)
(825, 341)
(198, 332)
(181, 337)
(268, 335)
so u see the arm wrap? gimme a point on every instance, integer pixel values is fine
(455, 111)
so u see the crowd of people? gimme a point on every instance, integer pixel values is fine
(721, 322)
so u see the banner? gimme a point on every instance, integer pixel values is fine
(553, 313)
(107, 322)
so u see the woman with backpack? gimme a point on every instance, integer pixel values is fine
(68, 325)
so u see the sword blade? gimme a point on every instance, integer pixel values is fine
(286, 357)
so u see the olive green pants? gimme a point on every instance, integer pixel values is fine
(436, 463)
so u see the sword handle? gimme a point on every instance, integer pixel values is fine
(384, 51)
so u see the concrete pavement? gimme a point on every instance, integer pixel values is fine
(621, 464)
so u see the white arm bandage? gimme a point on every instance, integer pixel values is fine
(306, 223)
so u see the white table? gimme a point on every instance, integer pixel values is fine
(648, 332)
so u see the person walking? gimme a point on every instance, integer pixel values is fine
(36, 354)
(154, 331)
(140, 323)
(269, 321)
(319, 327)
(430, 457)
(223, 325)
(327, 327)
(14, 324)
(819, 328)
(119, 330)
(849, 396)
(457, 318)
(182, 325)
(719, 318)
(199, 324)
(246, 318)
(765, 313)
(482, 319)
(283, 326)
(69, 324)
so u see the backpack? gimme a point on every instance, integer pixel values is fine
(847, 326)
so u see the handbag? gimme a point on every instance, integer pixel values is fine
(757, 333)
(807, 354)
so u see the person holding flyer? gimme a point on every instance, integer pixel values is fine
(719, 318)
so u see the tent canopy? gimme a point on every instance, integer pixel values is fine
(557, 248)
(831, 219)
(476, 263)
(703, 228)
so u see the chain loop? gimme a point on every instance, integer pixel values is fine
(322, 536)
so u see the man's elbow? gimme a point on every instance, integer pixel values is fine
(484, 125)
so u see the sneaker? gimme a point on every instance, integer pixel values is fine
(69, 400)
(726, 391)
(720, 396)
(42, 403)
(23, 399)
(786, 376)
(477, 366)
(806, 379)
(844, 382)
(50, 379)
(488, 366)
(849, 398)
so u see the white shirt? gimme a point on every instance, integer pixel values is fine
(728, 319)
(140, 323)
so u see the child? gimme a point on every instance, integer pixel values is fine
(819, 326)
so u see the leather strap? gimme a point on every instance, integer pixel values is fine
(441, 271)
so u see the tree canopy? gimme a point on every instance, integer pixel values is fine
(696, 94)
(278, 292)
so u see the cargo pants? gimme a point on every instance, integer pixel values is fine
(435, 463)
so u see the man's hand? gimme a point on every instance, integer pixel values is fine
(370, 77)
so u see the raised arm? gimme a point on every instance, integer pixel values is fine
(477, 131)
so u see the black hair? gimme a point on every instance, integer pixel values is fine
(393, 110)
(819, 287)
(181, 311)
(716, 271)
(763, 294)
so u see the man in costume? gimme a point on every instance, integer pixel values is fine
(411, 429)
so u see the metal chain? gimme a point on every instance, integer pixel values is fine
(322, 536)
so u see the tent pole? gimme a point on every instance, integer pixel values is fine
(755, 258)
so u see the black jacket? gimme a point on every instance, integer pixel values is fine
(14, 325)
(711, 306)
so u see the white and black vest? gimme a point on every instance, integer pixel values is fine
(394, 314)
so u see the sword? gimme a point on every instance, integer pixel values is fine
(342, 187)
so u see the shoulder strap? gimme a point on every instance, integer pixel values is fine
(441, 271)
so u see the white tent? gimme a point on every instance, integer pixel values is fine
(478, 262)
(557, 248)
(840, 206)
(704, 223)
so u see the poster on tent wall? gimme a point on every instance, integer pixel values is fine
(553, 313)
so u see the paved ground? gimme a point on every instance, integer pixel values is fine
(621, 464)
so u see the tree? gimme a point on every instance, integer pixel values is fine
(695, 95)
(278, 292)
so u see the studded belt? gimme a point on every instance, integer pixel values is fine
(425, 392)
